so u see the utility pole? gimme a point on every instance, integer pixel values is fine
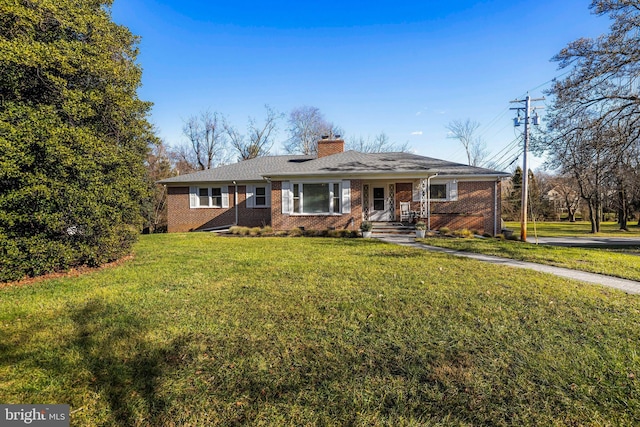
(525, 162)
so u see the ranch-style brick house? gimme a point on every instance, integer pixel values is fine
(336, 189)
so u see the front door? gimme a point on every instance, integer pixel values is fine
(378, 204)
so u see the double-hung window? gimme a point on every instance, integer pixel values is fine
(336, 197)
(258, 196)
(203, 196)
(296, 198)
(261, 196)
(208, 197)
(438, 191)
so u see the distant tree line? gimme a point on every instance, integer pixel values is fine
(552, 197)
(558, 197)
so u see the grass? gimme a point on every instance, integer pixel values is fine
(576, 229)
(623, 263)
(200, 329)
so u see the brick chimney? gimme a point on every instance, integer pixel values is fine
(327, 147)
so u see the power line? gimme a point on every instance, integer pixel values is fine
(493, 122)
(502, 113)
(497, 158)
(545, 83)
(509, 159)
(505, 148)
(498, 117)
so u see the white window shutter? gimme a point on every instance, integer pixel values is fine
(225, 196)
(193, 197)
(250, 196)
(287, 200)
(268, 194)
(453, 190)
(346, 196)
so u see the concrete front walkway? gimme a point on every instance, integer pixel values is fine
(628, 286)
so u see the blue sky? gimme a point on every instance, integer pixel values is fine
(405, 68)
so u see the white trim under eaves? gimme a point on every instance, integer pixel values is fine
(406, 177)
(204, 183)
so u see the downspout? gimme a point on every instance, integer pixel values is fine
(495, 208)
(429, 200)
(268, 179)
(235, 200)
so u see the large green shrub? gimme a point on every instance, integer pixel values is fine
(73, 137)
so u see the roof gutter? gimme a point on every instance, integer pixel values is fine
(391, 175)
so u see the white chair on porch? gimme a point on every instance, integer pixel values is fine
(405, 211)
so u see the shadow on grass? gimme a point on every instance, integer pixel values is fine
(125, 368)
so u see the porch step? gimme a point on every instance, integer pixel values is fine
(381, 228)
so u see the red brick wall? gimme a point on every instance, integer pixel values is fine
(474, 208)
(182, 218)
(458, 222)
(404, 193)
(327, 147)
(351, 221)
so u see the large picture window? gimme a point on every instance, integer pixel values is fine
(317, 198)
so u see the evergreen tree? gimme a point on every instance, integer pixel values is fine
(516, 192)
(73, 137)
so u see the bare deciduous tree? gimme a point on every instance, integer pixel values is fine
(378, 144)
(158, 165)
(206, 142)
(604, 70)
(258, 140)
(307, 125)
(465, 132)
(577, 146)
(568, 193)
(596, 110)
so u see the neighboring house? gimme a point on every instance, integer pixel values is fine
(335, 190)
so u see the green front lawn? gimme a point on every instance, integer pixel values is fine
(623, 263)
(199, 329)
(576, 229)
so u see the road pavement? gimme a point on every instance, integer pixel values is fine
(593, 242)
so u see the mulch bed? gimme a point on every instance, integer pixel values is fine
(74, 272)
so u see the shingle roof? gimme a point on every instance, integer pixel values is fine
(248, 170)
(347, 163)
(356, 163)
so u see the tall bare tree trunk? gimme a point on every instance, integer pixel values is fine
(622, 209)
(593, 216)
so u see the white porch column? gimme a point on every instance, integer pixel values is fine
(423, 197)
